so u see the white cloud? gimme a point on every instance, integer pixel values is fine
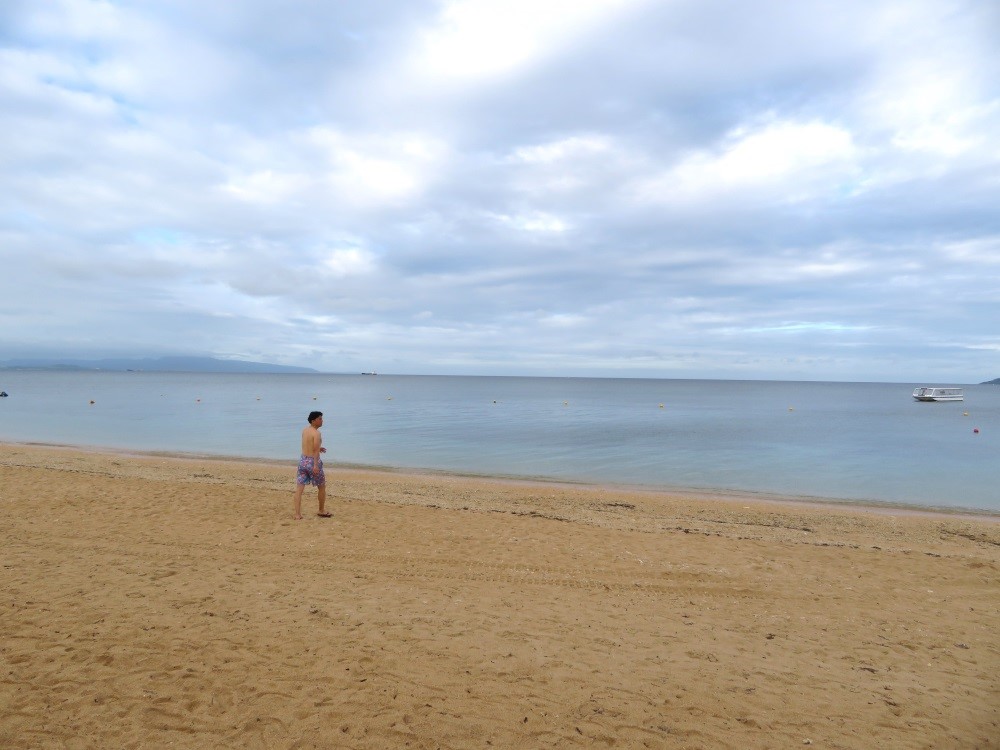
(535, 222)
(779, 150)
(87, 19)
(791, 159)
(562, 320)
(348, 261)
(266, 186)
(476, 39)
(375, 169)
(948, 135)
(978, 251)
(936, 94)
(792, 267)
(574, 147)
(806, 327)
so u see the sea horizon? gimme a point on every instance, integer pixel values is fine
(73, 368)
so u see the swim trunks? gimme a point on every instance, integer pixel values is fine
(307, 473)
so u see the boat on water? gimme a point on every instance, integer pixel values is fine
(937, 393)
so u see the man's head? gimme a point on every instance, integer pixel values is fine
(313, 416)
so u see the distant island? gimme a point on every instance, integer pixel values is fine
(995, 381)
(161, 364)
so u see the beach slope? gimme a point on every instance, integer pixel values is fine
(151, 601)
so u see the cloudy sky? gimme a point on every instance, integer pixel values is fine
(665, 188)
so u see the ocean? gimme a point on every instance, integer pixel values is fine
(850, 442)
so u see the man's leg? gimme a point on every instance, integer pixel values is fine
(298, 501)
(321, 491)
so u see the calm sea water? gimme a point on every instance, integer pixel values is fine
(866, 442)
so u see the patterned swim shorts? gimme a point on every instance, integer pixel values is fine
(307, 473)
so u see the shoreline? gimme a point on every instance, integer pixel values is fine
(694, 493)
(153, 601)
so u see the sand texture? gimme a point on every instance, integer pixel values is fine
(151, 602)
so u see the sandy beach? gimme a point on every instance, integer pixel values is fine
(153, 601)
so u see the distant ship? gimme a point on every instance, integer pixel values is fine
(369, 373)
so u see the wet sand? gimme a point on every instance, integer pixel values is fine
(150, 601)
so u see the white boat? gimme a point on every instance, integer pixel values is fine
(936, 393)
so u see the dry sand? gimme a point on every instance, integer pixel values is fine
(153, 602)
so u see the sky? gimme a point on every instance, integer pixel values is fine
(801, 190)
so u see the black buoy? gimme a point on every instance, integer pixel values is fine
(3, 394)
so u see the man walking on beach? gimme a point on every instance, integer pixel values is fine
(310, 466)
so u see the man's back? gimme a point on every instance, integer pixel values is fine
(311, 441)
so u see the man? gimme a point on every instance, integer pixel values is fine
(310, 467)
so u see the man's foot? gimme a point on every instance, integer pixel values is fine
(298, 518)
(325, 515)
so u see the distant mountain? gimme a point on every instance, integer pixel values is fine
(162, 364)
(995, 381)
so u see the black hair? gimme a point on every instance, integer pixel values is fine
(313, 415)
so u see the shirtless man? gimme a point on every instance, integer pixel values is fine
(310, 466)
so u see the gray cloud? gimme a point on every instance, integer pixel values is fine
(638, 188)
